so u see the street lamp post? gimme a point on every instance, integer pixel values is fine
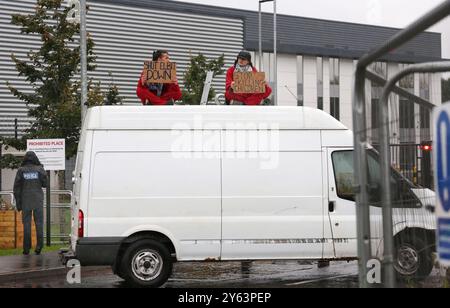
(83, 55)
(275, 61)
(77, 15)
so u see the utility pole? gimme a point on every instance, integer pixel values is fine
(83, 49)
(77, 15)
(275, 58)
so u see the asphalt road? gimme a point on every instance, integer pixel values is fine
(281, 274)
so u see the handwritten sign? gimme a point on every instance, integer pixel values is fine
(160, 72)
(249, 82)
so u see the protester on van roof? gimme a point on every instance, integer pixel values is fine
(30, 179)
(158, 93)
(243, 64)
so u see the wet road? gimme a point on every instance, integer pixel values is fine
(281, 274)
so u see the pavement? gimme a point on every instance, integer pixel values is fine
(31, 266)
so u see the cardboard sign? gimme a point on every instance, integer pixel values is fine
(249, 83)
(160, 72)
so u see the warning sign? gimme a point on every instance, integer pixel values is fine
(51, 153)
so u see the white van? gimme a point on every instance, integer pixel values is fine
(155, 185)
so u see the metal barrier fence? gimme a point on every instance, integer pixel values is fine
(60, 214)
(389, 206)
(414, 162)
(10, 196)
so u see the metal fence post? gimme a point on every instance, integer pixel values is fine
(16, 129)
(48, 211)
(360, 163)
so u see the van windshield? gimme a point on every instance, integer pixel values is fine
(344, 178)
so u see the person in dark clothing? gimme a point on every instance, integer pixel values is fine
(30, 179)
(157, 93)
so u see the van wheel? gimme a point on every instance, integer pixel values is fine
(146, 263)
(413, 258)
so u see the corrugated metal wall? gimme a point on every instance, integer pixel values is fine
(125, 36)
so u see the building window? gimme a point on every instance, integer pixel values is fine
(408, 81)
(424, 81)
(334, 107)
(334, 88)
(425, 113)
(406, 112)
(425, 116)
(320, 83)
(379, 68)
(300, 97)
(320, 103)
(375, 117)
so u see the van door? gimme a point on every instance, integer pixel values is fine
(276, 210)
(342, 206)
(341, 203)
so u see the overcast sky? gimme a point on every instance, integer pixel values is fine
(390, 13)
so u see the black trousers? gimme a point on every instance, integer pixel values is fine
(38, 215)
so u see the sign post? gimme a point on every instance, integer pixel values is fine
(52, 155)
(442, 177)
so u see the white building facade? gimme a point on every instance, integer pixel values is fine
(316, 58)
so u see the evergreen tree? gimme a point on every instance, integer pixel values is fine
(195, 76)
(55, 103)
(113, 97)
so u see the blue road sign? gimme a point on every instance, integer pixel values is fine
(442, 174)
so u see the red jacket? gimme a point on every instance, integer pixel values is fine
(247, 99)
(170, 91)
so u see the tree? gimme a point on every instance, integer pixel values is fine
(446, 90)
(55, 103)
(194, 78)
(113, 97)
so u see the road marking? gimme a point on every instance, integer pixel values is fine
(320, 279)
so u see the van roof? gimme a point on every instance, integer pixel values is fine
(209, 117)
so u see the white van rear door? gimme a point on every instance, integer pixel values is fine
(75, 202)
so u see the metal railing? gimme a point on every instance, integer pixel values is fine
(11, 198)
(361, 144)
(60, 214)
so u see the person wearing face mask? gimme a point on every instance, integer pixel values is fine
(243, 64)
(158, 93)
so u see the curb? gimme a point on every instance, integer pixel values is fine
(14, 276)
